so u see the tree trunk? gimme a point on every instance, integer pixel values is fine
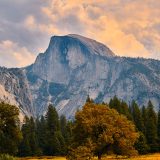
(99, 156)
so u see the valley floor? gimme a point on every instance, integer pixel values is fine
(144, 157)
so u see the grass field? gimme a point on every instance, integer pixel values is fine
(145, 157)
(43, 158)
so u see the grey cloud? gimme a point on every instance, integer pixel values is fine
(13, 14)
(15, 11)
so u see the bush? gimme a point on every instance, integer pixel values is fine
(80, 153)
(6, 157)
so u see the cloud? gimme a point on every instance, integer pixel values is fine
(129, 28)
(91, 20)
(13, 55)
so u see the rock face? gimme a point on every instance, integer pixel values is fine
(14, 89)
(73, 67)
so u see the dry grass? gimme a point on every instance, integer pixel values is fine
(145, 157)
(43, 158)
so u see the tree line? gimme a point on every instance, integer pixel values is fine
(116, 128)
(146, 120)
(50, 135)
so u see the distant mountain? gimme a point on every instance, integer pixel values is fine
(73, 67)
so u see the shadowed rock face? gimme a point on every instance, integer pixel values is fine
(74, 66)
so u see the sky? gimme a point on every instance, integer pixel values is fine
(127, 27)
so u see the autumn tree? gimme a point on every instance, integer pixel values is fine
(98, 128)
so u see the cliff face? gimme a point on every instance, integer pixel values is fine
(73, 67)
(14, 89)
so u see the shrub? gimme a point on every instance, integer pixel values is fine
(80, 153)
(6, 157)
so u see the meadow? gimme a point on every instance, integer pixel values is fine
(144, 157)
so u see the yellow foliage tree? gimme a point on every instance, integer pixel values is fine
(100, 128)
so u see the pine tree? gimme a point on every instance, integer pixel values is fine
(54, 136)
(63, 126)
(137, 117)
(151, 128)
(144, 117)
(125, 110)
(52, 119)
(69, 132)
(60, 144)
(158, 128)
(34, 139)
(89, 100)
(29, 145)
(120, 106)
(41, 132)
(66, 131)
(25, 148)
(115, 103)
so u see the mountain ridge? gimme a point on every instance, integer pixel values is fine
(73, 67)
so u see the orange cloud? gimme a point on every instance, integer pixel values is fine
(16, 56)
(99, 24)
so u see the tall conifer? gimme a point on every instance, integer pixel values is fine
(158, 128)
(151, 128)
(137, 117)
